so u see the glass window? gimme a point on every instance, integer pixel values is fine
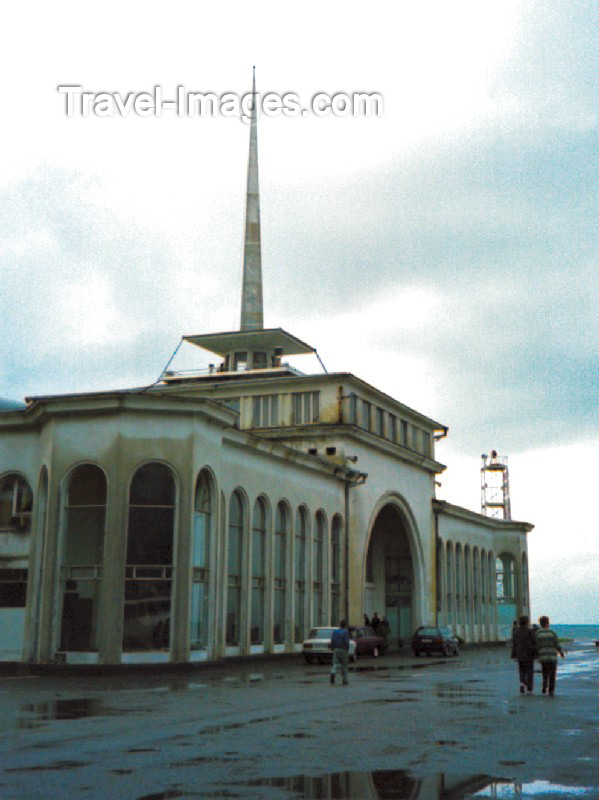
(258, 571)
(240, 361)
(200, 561)
(392, 435)
(281, 533)
(16, 501)
(148, 572)
(426, 444)
(13, 588)
(265, 411)
(366, 415)
(353, 409)
(305, 407)
(317, 568)
(85, 514)
(379, 424)
(415, 438)
(259, 360)
(404, 433)
(234, 561)
(301, 535)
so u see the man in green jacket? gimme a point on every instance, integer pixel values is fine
(548, 647)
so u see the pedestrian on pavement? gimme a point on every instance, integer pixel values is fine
(375, 621)
(340, 648)
(366, 620)
(524, 651)
(548, 647)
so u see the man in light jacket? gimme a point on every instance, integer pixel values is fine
(548, 647)
(340, 648)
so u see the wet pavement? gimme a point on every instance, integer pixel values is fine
(404, 728)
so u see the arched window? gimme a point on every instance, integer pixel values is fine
(85, 513)
(16, 502)
(459, 584)
(234, 568)
(200, 560)
(467, 586)
(507, 604)
(450, 594)
(258, 571)
(281, 534)
(476, 600)
(301, 536)
(148, 573)
(317, 567)
(336, 570)
(484, 592)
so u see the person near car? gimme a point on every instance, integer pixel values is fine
(366, 620)
(548, 647)
(340, 648)
(524, 651)
(375, 622)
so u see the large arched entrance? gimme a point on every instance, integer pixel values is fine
(390, 586)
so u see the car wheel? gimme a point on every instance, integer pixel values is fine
(375, 652)
(416, 653)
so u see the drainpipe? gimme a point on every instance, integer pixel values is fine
(346, 554)
(437, 560)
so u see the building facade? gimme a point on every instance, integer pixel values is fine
(226, 512)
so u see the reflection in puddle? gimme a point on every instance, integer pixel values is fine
(402, 785)
(536, 789)
(65, 709)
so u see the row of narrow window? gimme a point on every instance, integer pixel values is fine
(149, 565)
(473, 574)
(387, 425)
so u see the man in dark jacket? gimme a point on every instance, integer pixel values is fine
(340, 648)
(524, 650)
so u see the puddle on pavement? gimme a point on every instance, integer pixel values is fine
(53, 766)
(63, 709)
(401, 784)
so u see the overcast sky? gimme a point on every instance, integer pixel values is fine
(445, 252)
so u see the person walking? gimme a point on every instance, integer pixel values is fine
(340, 648)
(524, 651)
(548, 647)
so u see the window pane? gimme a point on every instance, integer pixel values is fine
(150, 538)
(152, 485)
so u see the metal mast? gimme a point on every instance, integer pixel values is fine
(252, 317)
(495, 486)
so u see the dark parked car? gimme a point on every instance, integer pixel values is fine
(435, 640)
(368, 642)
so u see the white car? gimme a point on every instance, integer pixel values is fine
(317, 647)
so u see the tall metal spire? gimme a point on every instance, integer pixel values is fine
(252, 317)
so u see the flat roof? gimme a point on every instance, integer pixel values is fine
(265, 339)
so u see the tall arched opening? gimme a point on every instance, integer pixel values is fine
(390, 586)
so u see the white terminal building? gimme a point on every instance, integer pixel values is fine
(225, 512)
